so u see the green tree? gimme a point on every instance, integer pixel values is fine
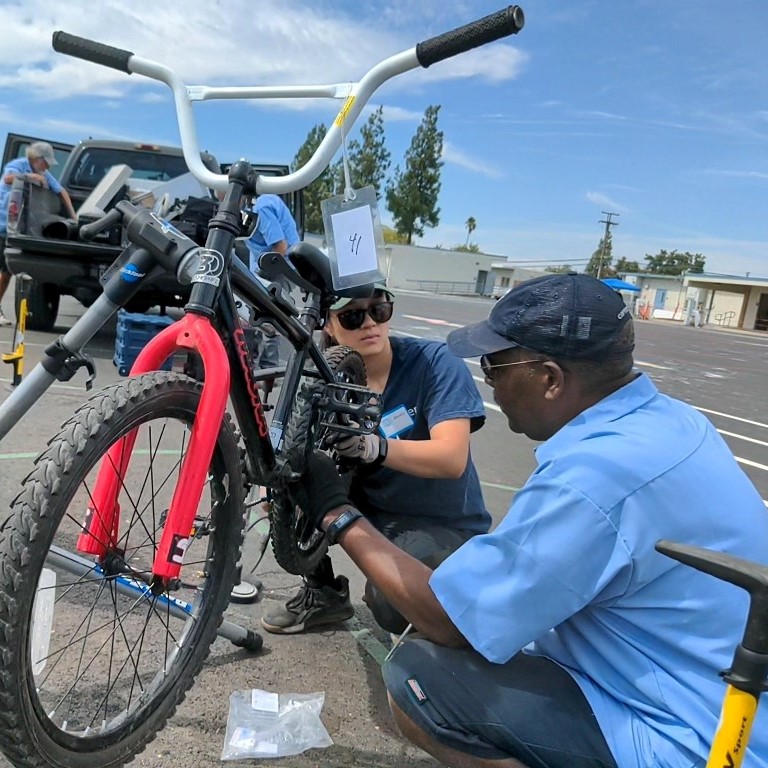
(390, 236)
(412, 194)
(467, 248)
(369, 160)
(602, 258)
(471, 225)
(563, 269)
(674, 263)
(322, 187)
(624, 265)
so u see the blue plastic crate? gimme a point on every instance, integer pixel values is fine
(134, 330)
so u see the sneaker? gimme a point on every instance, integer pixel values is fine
(311, 606)
(4, 320)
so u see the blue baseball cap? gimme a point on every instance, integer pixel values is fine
(568, 317)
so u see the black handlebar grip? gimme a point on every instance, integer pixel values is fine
(98, 53)
(508, 21)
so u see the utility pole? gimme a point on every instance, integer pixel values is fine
(608, 221)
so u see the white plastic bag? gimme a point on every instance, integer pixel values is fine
(263, 724)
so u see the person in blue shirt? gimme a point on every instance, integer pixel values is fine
(39, 158)
(563, 639)
(416, 481)
(274, 232)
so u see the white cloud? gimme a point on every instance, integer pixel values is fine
(738, 174)
(394, 114)
(455, 156)
(277, 43)
(604, 201)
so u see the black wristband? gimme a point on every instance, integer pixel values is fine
(383, 448)
(341, 523)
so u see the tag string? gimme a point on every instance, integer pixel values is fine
(349, 193)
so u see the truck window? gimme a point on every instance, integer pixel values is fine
(94, 162)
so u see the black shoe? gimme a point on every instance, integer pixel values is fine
(311, 606)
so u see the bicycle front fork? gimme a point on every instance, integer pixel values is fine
(100, 533)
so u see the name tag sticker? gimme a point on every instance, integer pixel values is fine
(395, 422)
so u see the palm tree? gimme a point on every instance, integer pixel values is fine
(471, 226)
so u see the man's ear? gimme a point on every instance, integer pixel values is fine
(555, 380)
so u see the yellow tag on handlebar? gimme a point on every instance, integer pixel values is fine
(342, 116)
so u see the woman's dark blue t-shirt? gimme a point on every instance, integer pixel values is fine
(427, 385)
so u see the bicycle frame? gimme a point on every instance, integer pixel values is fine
(227, 372)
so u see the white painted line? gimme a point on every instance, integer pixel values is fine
(751, 463)
(55, 386)
(752, 344)
(743, 437)
(433, 321)
(653, 365)
(728, 416)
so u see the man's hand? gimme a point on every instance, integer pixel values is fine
(365, 448)
(323, 487)
(39, 179)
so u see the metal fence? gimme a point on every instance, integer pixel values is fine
(452, 287)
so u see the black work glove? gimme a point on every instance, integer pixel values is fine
(323, 489)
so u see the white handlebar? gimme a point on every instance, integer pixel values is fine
(356, 95)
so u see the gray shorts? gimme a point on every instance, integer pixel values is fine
(529, 709)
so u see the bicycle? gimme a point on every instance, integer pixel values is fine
(747, 676)
(127, 532)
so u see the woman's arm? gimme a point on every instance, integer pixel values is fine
(444, 455)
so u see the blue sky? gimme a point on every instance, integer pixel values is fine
(653, 109)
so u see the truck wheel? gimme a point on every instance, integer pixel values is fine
(42, 304)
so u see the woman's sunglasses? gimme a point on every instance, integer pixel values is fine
(352, 319)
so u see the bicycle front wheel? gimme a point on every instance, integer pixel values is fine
(93, 662)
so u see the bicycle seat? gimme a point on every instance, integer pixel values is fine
(314, 266)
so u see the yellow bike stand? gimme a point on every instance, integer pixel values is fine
(16, 357)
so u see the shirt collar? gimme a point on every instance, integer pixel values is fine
(623, 401)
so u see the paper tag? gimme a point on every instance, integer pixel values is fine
(264, 701)
(355, 244)
(265, 748)
(355, 238)
(242, 739)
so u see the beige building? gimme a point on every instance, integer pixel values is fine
(437, 270)
(725, 300)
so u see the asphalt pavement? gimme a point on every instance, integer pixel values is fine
(720, 372)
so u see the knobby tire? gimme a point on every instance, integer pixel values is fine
(115, 711)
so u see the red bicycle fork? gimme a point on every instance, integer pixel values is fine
(100, 533)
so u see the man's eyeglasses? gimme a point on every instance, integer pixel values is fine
(352, 319)
(488, 367)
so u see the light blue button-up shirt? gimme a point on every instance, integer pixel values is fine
(571, 573)
(274, 224)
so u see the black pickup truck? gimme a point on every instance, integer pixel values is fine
(42, 244)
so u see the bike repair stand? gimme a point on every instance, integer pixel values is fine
(16, 357)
